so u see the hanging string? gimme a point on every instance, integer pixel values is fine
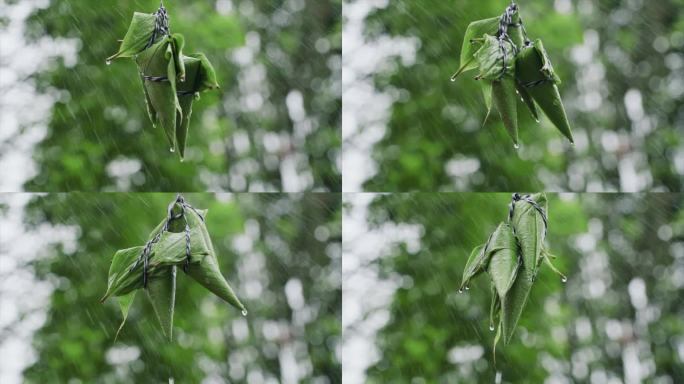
(502, 34)
(161, 28)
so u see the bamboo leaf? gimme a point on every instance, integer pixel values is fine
(474, 265)
(157, 61)
(200, 76)
(487, 92)
(527, 100)
(161, 292)
(137, 37)
(206, 75)
(177, 44)
(121, 280)
(506, 101)
(475, 29)
(530, 228)
(125, 302)
(514, 303)
(494, 308)
(547, 67)
(530, 231)
(503, 263)
(495, 58)
(207, 272)
(535, 73)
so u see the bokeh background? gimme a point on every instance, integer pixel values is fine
(618, 319)
(406, 127)
(71, 123)
(280, 252)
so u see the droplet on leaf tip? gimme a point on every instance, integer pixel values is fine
(516, 146)
(172, 150)
(460, 290)
(108, 62)
(491, 327)
(244, 312)
(467, 288)
(564, 279)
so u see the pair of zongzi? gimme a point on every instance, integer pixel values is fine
(180, 240)
(511, 257)
(512, 67)
(171, 80)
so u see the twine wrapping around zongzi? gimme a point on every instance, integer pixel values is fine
(162, 27)
(528, 199)
(147, 250)
(506, 21)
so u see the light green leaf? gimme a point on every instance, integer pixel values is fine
(475, 30)
(514, 303)
(138, 35)
(503, 263)
(121, 280)
(494, 308)
(200, 76)
(125, 302)
(547, 67)
(206, 75)
(157, 61)
(177, 44)
(474, 265)
(530, 229)
(527, 100)
(495, 58)
(487, 93)
(161, 292)
(207, 272)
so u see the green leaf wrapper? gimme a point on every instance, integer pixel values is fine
(529, 229)
(137, 37)
(495, 58)
(535, 72)
(505, 98)
(475, 265)
(159, 61)
(207, 272)
(503, 259)
(200, 76)
(470, 45)
(170, 250)
(161, 293)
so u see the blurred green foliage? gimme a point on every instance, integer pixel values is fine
(265, 243)
(265, 53)
(621, 67)
(582, 331)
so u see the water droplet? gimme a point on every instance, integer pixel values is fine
(537, 120)
(564, 279)
(172, 149)
(453, 79)
(460, 290)
(109, 62)
(516, 146)
(182, 160)
(491, 327)
(467, 288)
(244, 312)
